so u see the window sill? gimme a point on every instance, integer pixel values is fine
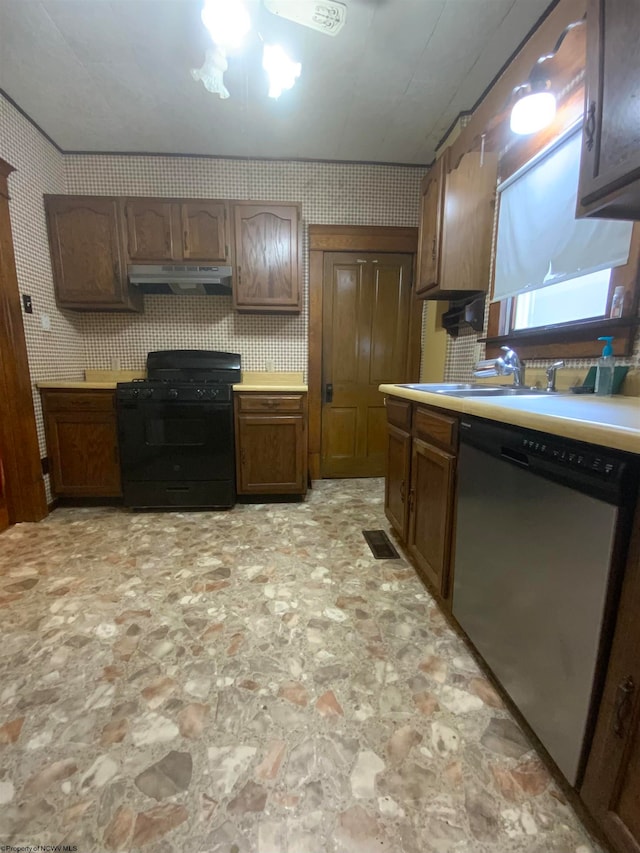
(568, 340)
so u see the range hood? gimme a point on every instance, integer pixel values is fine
(181, 280)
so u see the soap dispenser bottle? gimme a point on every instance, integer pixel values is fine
(604, 371)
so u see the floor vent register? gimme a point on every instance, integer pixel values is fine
(380, 545)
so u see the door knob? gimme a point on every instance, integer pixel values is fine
(328, 393)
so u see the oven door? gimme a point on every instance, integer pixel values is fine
(174, 441)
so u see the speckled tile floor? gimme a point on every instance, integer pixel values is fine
(250, 682)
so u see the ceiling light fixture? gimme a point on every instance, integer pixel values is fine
(281, 69)
(535, 106)
(211, 73)
(227, 21)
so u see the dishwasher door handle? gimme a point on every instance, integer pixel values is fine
(516, 456)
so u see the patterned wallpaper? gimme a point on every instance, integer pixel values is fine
(59, 353)
(329, 194)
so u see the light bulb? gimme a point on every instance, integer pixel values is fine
(533, 112)
(228, 22)
(282, 70)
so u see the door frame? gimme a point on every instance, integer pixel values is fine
(351, 238)
(26, 498)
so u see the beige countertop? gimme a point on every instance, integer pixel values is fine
(251, 381)
(607, 421)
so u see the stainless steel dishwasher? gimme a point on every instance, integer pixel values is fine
(541, 520)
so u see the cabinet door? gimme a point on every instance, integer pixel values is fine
(205, 231)
(88, 269)
(82, 443)
(610, 165)
(611, 787)
(469, 205)
(267, 276)
(430, 507)
(270, 454)
(396, 491)
(150, 230)
(430, 234)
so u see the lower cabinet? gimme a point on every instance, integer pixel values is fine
(420, 487)
(271, 443)
(4, 509)
(611, 786)
(82, 442)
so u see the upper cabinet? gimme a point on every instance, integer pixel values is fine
(150, 230)
(430, 234)
(456, 226)
(88, 263)
(205, 231)
(93, 239)
(171, 230)
(267, 271)
(610, 166)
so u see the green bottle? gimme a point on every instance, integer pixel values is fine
(604, 371)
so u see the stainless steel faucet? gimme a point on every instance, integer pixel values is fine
(551, 374)
(510, 363)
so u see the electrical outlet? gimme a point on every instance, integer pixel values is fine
(27, 304)
(270, 365)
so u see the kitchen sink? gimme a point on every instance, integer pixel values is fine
(466, 389)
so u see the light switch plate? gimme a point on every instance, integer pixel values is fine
(45, 322)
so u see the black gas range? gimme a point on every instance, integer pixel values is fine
(175, 431)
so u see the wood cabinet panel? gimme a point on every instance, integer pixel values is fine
(82, 443)
(611, 787)
(435, 427)
(205, 231)
(431, 511)
(396, 492)
(430, 231)
(610, 165)
(271, 443)
(87, 260)
(267, 273)
(468, 225)
(399, 413)
(150, 230)
(4, 509)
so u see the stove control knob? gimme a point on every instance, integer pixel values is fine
(135, 392)
(172, 393)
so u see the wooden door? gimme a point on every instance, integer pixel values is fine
(4, 507)
(611, 135)
(396, 491)
(271, 454)
(84, 238)
(611, 787)
(430, 508)
(205, 231)
(366, 308)
(430, 233)
(150, 231)
(267, 274)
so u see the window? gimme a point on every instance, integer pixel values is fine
(555, 275)
(581, 298)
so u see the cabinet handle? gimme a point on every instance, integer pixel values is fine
(433, 250)
(590, 126)
(402, 491)
(270, 404)
(185, 244)
(243, 456)
(239, 275)
(412, 496)
(623, 704)
(328, 393)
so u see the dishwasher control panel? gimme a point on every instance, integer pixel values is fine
(597, 462)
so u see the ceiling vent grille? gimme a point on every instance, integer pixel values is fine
(326, 16)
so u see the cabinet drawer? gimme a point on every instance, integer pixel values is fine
(399, 413)
(83, 401)
(270, 402)
(432, 426)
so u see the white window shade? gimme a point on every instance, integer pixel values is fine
(540, 242)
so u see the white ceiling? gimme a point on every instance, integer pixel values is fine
(114, 75)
